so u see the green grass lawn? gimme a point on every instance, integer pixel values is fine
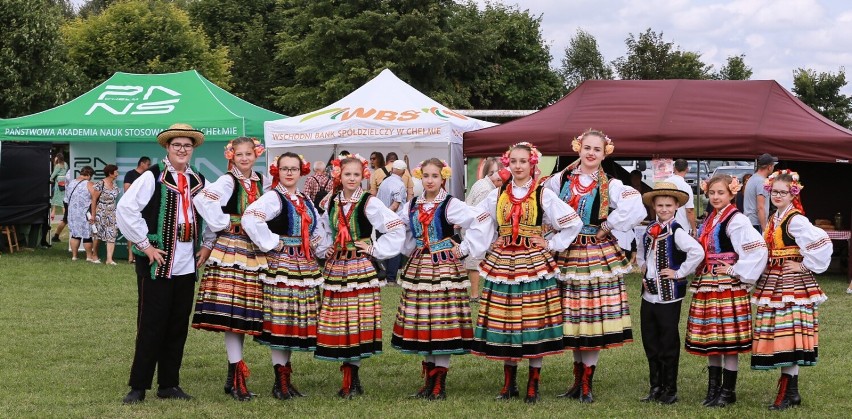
(67, 341)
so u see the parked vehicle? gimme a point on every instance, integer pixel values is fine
(641, 165)
(735, 171)
(694, 172)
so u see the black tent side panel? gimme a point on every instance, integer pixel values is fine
(24, 182)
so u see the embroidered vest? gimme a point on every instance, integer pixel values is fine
(593, 208)
(288, 224)
(667, 256)
(717, 245)
(778, 239)
(359, 225)
(439, 229)
(531, 215)
(238, 201)
(161, 215)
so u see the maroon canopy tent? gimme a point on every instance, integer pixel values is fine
(698, 119)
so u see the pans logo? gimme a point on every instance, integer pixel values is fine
(124, 100)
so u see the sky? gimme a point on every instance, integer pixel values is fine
(776, 36)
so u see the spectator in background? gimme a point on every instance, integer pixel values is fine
(478, 191)
(755, 198)
(685, 215)
(318, 185)
(141, 166)
(104, 197)
(392, 193)
(57, 178)
(741, 193)
(636, 183)
(406, 177)
(79, 201)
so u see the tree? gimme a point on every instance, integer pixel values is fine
(822, 93)
(649, 57)
(455, 53)
(248, 31)
(33, 72)
(734, 69)
(583, 61)
(143, 36)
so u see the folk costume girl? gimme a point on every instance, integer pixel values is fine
(230, 298)
(520, 314)
(719, 323)
(434, 318)
(786, 329)
(285, 223)
(594, 297)
(350, 326)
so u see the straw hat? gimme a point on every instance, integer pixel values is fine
(665, 189)
(180, 130)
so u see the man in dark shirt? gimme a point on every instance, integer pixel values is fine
(141, 167)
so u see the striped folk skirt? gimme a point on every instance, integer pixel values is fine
(350, 317)
(230, 298)
(719, 321)
(434, 315)
(594, 300)
(786, 329)
(290, 301)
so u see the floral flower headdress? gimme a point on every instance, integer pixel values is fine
(446, 171)
(335, 166)
(577, 143)
(795, 186)
(535, 156)
(304, 168)
(734, 186)
(258, 148)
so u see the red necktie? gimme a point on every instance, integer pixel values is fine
(655, 230)
(184, 196)
(515, 214)
(306, 227)
(425, 217)
(251, 191)
(343, 235)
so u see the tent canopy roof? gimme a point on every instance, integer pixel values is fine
(383, 110)
(706, 119)
(135, 107)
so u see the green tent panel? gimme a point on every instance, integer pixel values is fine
(135, 107)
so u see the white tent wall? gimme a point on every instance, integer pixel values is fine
(416, 152)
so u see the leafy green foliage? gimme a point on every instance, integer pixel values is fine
(33, 72)
(822, 93)
(583, 61)
(735, 69)
(649, 57)
(143, 36)
(457, 54)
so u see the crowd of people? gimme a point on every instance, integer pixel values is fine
(301, 270)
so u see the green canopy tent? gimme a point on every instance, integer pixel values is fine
(135, 107)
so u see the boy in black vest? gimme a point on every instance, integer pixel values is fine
(669, 254)
(157, 215)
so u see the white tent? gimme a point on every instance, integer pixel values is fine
(384, 115)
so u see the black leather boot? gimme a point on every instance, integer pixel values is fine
(239, 391)
(655, 379)
(714, 385)
(586, 384)
(280, 389)
(439, 381)
(574, 391)
(728, 395)
(290, 387)
(229, 381)
(510, 383)
(669, 381)
(788, 393)
(532, 385)
(428, 380)
(356, 381)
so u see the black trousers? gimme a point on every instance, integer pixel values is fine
(162, 324)
(660, 335)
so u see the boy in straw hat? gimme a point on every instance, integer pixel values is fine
(669, 254)
(157, 215)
